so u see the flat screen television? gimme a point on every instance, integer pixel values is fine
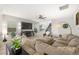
(26, 25)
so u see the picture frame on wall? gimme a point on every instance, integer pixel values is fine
(77, 18)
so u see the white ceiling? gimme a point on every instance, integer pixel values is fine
(31, 11)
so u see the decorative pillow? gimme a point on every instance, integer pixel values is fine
(74, 42)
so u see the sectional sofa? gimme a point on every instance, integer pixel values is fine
(67, 45)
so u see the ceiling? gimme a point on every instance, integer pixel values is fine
(32, 11)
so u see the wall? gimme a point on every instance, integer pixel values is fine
(75, 27)
(71, 20)
(12, 22)
(44, 23)
(0, 20)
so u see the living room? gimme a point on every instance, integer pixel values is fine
(39, 29)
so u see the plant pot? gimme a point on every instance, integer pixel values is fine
(17, 51)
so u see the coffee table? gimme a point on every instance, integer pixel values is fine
(10, 52)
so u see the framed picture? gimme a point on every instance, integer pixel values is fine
(77, 18)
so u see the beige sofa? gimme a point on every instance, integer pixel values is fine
(49, 46)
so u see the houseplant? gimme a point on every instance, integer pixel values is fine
(16, 45)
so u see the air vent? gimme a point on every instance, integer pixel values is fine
(64, 7)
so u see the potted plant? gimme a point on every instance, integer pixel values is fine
(16, 45)
(13, 34)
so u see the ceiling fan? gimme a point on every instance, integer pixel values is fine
(66, 6)
(41, 17)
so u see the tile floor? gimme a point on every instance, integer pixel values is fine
(2, 48)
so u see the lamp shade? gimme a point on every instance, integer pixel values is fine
(4, 28)
(65, 25)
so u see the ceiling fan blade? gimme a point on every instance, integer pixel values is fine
(41, 17)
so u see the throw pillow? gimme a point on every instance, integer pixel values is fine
(74, 42)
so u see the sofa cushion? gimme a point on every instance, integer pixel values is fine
(60, 50)
(57, 44)
(38, 46)
(44, 48)
(47, 40)
(67, 50)
(60, 43)
(74, 42)
(30, 43)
